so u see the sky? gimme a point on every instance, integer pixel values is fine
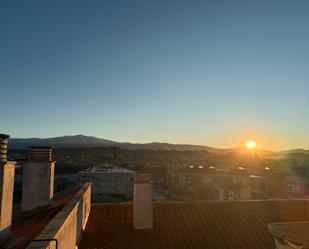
(197, 72)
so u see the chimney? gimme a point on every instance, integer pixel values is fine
(4, 147)
(7, 172)
(142, 214)
(38, 178)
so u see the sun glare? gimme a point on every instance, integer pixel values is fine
(250, 145)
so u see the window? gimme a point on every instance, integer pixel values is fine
(293, 188)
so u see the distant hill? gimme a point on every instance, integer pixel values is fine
(167, 146)
(81, 141)
(78, 141)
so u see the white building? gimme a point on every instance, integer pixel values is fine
(110, 184)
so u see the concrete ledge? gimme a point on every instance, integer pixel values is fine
(287, 234)
(67, 226)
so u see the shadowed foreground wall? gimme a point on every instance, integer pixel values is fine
(67, 226)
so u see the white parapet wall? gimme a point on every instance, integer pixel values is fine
(67, 226)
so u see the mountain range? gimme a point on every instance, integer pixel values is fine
(81, 141)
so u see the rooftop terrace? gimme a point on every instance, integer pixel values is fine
(196, 225)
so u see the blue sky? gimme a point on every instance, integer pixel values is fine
(202, 72)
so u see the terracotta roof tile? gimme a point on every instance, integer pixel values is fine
(177, 225)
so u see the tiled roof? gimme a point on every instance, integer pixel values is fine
(185, 225)
(27, 225)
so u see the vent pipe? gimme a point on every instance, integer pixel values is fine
(40, 153)
(3, 147)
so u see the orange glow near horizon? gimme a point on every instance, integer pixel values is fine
(251, 144)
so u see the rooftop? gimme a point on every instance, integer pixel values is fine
(106, 170)
(212, 171)
(198, 225)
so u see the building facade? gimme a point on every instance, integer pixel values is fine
(109, 184)
(296, 187)
(199, 184)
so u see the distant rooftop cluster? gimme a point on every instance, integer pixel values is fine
(107, 170)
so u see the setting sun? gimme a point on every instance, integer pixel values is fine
(250, 145)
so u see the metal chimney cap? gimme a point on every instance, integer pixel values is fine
(4, 136)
